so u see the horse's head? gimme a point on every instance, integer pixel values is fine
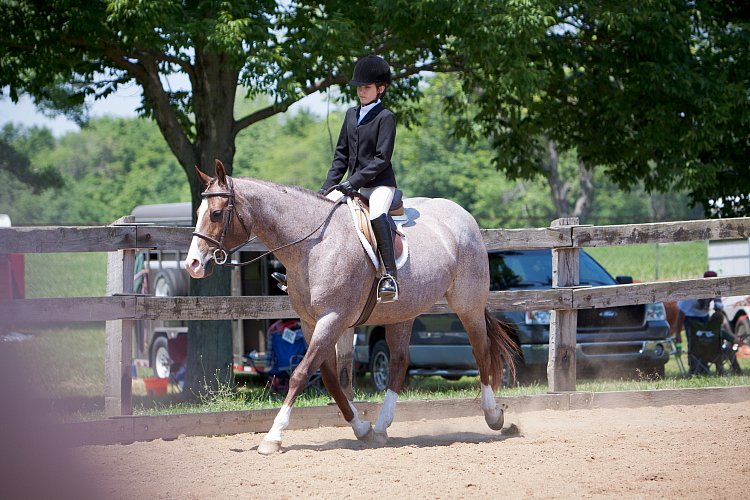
(219, 229)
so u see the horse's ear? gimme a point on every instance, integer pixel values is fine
(203, 177)
(221, 174)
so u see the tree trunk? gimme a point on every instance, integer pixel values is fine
(558, 188)
(586, 197)
(214, 85)
(210, 355)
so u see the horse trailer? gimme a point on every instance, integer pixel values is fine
(161, 343)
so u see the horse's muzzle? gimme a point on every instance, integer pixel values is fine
(198, 270)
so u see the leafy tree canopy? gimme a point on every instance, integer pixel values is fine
(63, 50)
(656, 92)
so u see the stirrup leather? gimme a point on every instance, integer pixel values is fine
(387, 289)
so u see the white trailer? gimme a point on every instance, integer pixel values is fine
(157, 342)
(732, 258)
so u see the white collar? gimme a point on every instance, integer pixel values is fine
(363, 110)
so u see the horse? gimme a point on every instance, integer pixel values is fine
(329, 279)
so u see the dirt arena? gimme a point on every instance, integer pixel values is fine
(648, 452)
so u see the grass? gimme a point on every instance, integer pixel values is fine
(654, 262)
(66, 275)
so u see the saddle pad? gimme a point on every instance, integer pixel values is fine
(361, 219)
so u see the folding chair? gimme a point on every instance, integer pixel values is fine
(286, 348)
(705, 345)
(677, 357)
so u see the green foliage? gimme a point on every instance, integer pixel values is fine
(109, 167)
(432, 160)
(655, 92)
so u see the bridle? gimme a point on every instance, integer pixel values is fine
(221, 254)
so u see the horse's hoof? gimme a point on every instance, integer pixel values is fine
(494, 418)
(375, 438)
(267, 447)
(362, 431)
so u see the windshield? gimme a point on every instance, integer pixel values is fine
(533, 269)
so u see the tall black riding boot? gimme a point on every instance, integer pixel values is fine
(387, 287)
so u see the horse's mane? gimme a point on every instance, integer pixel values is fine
(286, 187)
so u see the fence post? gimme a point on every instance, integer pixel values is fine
(345, 361)
(118, 342)
(561, 367)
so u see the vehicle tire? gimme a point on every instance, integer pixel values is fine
(509, 380)
(742, 330)
(170, 283)
(380, 359)
(651, 371)
(161, 362)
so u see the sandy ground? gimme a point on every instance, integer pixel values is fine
(673, 452)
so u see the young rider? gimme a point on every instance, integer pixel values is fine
(364, 150)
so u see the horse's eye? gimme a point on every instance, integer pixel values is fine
(216, 216)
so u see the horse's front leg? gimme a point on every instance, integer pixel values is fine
(322, 346)
(397, 336)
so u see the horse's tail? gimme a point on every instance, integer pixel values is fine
(504, 347)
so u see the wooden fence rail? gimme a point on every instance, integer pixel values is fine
(139, 307)
(564, 237)
(123, 236)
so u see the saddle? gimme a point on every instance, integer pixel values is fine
(361, 213)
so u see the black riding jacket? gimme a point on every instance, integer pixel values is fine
(365, 149)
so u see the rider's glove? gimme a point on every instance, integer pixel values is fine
(678, 348)
(345, 188)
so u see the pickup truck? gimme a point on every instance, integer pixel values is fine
(612, 340)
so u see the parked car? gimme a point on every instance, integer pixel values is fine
(609, 339)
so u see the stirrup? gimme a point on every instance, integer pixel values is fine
(281, 278)
(386, 292)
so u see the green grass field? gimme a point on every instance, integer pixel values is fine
(654, 262)
(68, 362)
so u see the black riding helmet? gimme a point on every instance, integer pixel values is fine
(371, 69)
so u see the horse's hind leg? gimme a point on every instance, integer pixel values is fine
(397, 337)
(329, 374)
(476, 325)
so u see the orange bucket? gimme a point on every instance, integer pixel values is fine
(156, 386)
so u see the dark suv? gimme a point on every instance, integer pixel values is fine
(611, 340)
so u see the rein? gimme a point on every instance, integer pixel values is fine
(221, 255)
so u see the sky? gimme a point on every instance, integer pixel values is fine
(122, 103)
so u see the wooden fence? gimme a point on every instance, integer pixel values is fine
(565, 237)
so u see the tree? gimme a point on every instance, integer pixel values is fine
(16, 163)
(652, 92)
(60, 51)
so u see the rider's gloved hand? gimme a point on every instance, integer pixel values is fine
(345, 188)
(678, 348)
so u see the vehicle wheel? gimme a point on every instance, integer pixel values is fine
(160, 360)
(509, 380)
(651, 371)
(170, 283)
(742, 330)
(379, 365)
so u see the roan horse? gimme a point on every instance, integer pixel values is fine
(330, 277)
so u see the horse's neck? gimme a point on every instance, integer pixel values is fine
(281, 215)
